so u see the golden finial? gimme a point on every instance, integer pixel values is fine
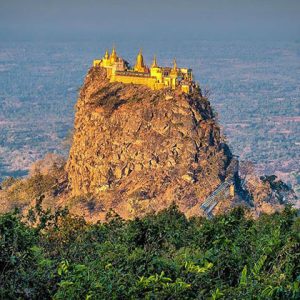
(106, 55)
(113, 56)
(139, 65)
(140, 58)
(140, 55)
(154, 63)
(174, 65)
(114, 49)
(174, 71)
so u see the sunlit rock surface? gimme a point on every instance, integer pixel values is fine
(138, 150)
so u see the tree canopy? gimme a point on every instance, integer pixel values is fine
(161, 256)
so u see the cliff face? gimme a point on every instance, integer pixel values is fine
(137, 150)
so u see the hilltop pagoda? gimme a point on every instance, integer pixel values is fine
(155, 77)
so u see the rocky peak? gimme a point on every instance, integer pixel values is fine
(137, 150)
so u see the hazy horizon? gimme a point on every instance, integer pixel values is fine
(207, 19)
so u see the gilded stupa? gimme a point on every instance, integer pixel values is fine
(155, 77)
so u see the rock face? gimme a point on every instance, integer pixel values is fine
(137, 150)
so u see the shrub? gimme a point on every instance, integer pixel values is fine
(161, 256)
(23, 191)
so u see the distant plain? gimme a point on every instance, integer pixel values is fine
(253, 87)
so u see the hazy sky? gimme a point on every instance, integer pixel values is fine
(207, 18)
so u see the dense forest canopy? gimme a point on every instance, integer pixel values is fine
(161, 256)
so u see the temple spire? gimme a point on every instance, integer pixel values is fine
(139, 65)
(106, 55)
(113, 56)
(154, 63)
(174, 65)
(114, 49)
(174, 71)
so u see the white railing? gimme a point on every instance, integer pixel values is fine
(213, 199)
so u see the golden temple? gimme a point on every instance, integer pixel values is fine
(155, 77)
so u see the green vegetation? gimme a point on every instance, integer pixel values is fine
(162, 256)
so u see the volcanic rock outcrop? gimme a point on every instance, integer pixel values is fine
(137, 150)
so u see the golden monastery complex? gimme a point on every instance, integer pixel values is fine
(155, 77)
